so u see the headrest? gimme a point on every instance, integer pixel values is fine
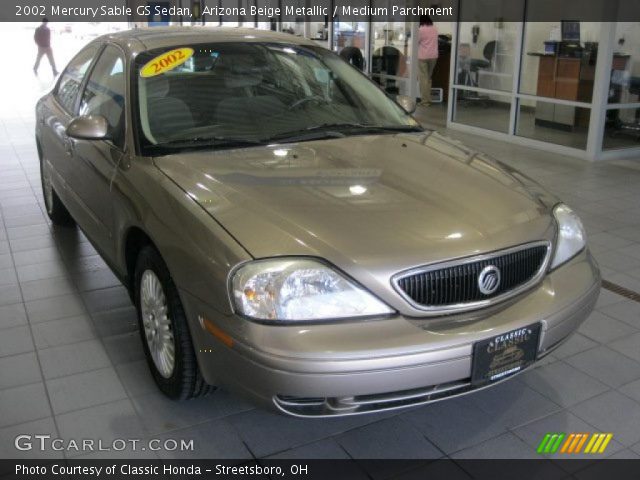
(157, 87)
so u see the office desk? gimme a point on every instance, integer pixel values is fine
(566, 78)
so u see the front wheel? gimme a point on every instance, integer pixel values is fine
(164, 331)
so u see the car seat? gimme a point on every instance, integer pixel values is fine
(167, 115)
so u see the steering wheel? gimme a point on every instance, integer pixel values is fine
(302, 101)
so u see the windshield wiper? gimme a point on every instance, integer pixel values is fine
(338, 130)
(203, 142)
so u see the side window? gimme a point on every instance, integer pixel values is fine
(105, 92)
(71, 78)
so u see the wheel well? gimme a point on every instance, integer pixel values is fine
(136, 241)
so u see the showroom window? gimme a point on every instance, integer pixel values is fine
(622, 124)
(559, 62)
(568, 86)
(486, 54)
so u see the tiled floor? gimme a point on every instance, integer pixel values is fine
(71, 362)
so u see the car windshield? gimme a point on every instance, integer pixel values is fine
(242, 94)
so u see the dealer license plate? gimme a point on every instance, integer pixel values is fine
(504, 355)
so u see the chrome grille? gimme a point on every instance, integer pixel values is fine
(454, 285)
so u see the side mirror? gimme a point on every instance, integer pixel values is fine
(91, 127)
(407, 103)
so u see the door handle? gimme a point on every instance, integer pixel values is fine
(69, 146)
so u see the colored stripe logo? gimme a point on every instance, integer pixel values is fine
(574, 443)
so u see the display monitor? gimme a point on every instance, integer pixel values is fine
(570, 31)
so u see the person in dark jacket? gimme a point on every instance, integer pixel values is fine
(42, 37)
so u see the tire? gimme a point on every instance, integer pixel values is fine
(54, 207)
(180, 379)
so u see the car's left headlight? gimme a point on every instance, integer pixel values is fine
(300, 289)
(571, 235)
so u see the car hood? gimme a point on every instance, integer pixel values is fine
(372, 205)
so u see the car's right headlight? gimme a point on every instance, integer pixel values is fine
(298, 290)
(571, 235)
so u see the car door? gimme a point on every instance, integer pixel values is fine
(96, 161)
(55, 115)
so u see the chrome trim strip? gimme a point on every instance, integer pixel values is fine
(465, 307)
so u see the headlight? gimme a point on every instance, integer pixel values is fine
(571, 235)
(299, 290)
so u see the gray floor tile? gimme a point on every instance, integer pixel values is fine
(512, 403)
(267, 433)
(39, 271)
(19, 370)
(36, 219)
(8, 276)
(160, 414)
(10, 294)
(136, 378)
(69, 359)
(214, 439)
(609, 367)
(63, 331)
(577, 343)
(389, 438)
(612, 412)
(103, 422)
(326, 449)
(124, 348)
(629, 346)
(15, 340)
(12, 315)
(54, 308)
(96, 280)
(601, 328)
(106, 299)
(46, 288)
(631, 390)
(455, 424)
(23, 404)
(563, 384)
(626, 281)
(116, 322)
(82, 390)
(506, 445)
(32, 257)
(6, 261)
(44, 426)
(607, 298)
(627, 311)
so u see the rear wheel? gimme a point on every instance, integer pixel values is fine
(164, 331)
(56, 210)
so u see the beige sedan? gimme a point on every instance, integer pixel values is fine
(289, 232)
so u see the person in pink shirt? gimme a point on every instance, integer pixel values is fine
(427, 56)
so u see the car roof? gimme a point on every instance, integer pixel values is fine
(148, 38)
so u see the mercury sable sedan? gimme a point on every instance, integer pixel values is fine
(288, 231)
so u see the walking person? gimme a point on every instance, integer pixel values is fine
(427, 56)
(42, 37)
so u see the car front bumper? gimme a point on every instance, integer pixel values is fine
(358, 367)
